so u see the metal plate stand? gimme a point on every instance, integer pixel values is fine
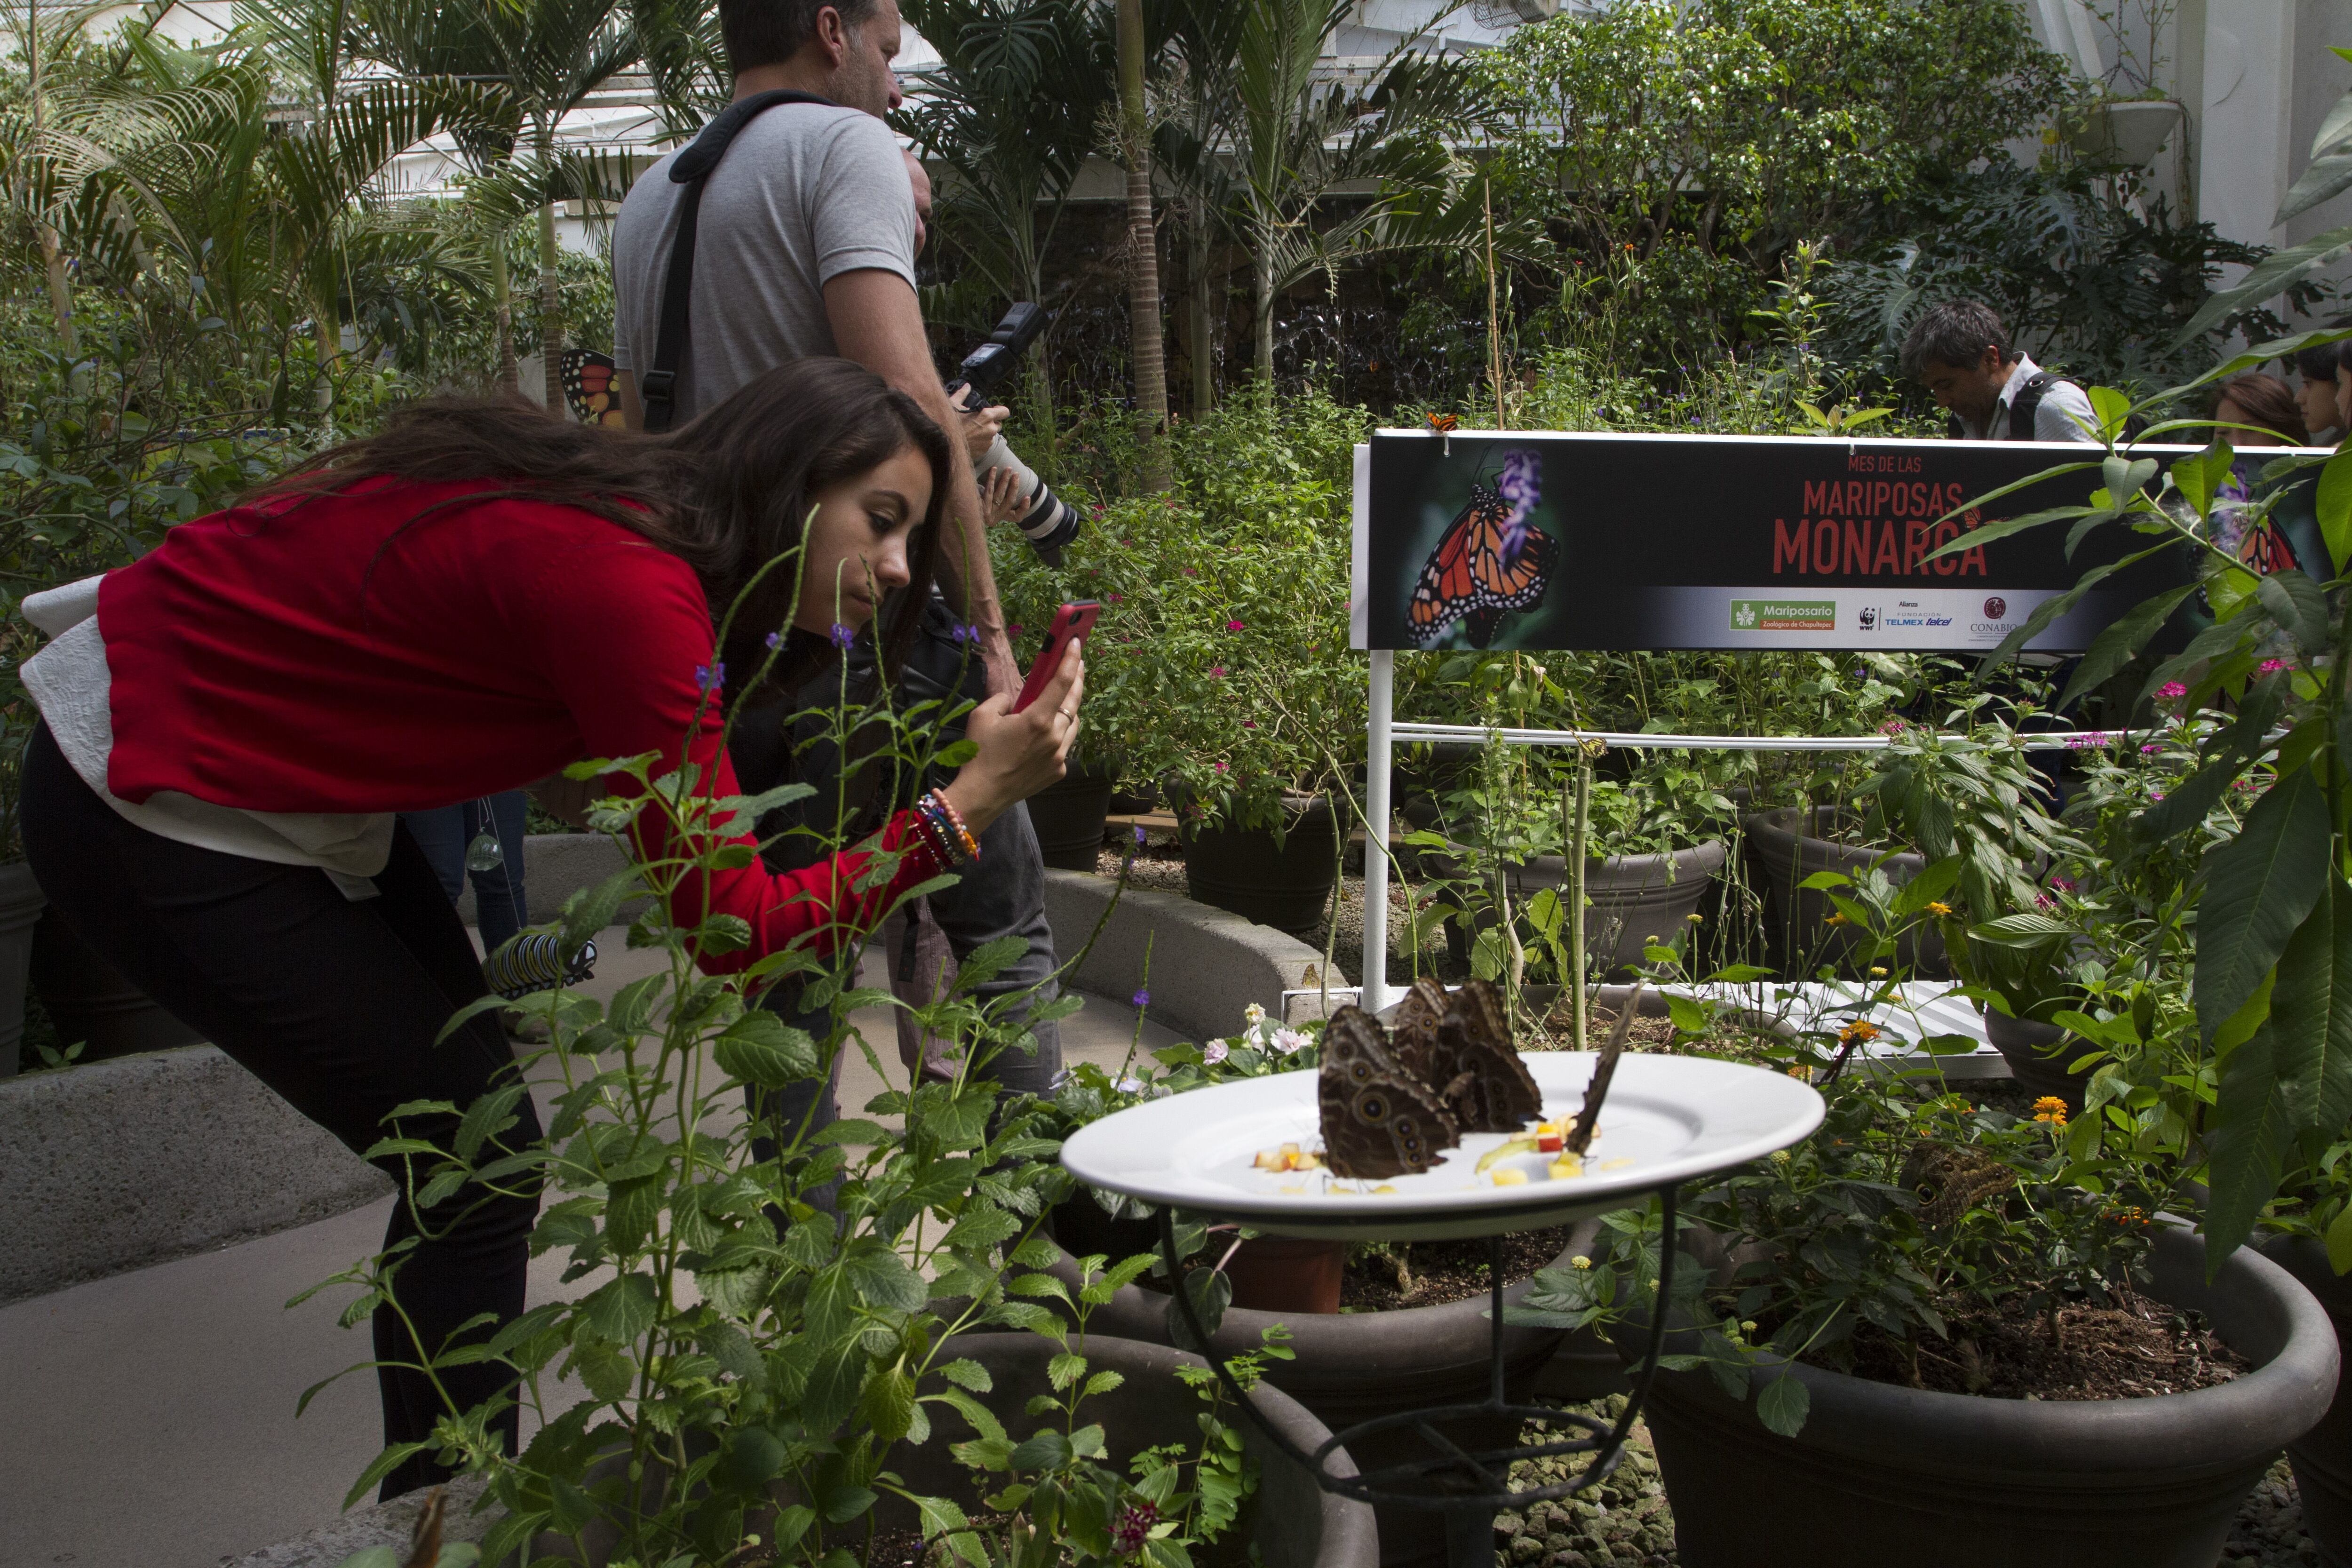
(1469, 1488)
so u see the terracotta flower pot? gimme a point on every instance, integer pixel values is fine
(1884, 1475)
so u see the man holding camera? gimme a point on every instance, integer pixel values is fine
(804, 234)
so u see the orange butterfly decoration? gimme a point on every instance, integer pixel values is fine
(588, 387)
(1446, 423)
(1490, 562)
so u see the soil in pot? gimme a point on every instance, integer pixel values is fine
(2128, 1349)
(1287, 887)
(1390, 1276)
(1068, 815)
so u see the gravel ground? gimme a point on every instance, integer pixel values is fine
(1626, 1522)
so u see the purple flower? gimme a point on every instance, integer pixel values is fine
(775, 641)
(963, 632)
(1133, 1529)
(1139, 836)
(1521, 484)
(1140, 999)
(843, 636)
(708, 676)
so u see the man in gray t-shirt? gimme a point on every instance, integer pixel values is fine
(805, 194)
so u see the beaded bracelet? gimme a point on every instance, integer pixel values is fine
(954, 845)
(954, 819)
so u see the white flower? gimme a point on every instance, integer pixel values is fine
(1214, 1052)
(1288, 1040)
(1252, 1014)
(1130, 1084)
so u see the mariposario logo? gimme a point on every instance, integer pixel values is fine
(1743, 615)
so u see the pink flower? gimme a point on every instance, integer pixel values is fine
(1216, 672)
(2062, 884)
(1221, 767)
(2044, 901)
(1214, 1052)
(2270, 666)
(1232, 625)
(1892, 727)
(1114, 598)
(2171, 691)
(1192, 571)
(1249, 723)
(2150, 749)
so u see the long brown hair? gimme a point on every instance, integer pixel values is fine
(727, 494)
(2266, 402)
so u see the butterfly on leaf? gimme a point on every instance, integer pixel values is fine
(588, 388)
(1444, 424)
(1489, 562)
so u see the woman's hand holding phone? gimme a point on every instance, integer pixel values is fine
(1020, 754)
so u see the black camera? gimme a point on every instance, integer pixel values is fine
(1046, 521)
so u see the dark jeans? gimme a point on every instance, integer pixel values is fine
(500, 905)
(335, 1006)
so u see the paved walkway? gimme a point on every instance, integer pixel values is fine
(150, 1417)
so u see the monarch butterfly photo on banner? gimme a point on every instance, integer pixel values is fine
(1491, 561)
(588, 387)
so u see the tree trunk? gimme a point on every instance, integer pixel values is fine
(1204, 349)
(1147, 350)
(1262, 299)
(550, 284)
(53, 263)
(503, 283)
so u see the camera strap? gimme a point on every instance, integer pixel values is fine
(657, 387)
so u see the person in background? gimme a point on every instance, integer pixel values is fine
(2259, 411)
(447, 835)
(1961, 352)
(2315, 395)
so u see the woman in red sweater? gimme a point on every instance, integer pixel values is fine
(467, 603)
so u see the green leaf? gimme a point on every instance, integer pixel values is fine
(2259, 888)
(2311, 1018)
(2334, 504)
(2295, 603)
(2272, 275)
(2339, 1241)
(1048, 1450)
(889, 1405)
(882, 1279)
(383, 1464)
(2111, 408)
(1782, 1404)
(2251, 1130)
(621, 1309)
(760, 1047)
(2120, 643)
(2200, 474)
(968, 1374)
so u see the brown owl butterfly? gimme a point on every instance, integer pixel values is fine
(1379, 1119)
(1588, 1119)
(1476, 1070)
(1415, 1038)
(1949, 1182)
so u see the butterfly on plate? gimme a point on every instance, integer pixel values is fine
(588, 388)
(1490, 561)
(1379, 1118)
(1444, 424)
(1596, 1089)
(1477, 1070)
(1949, 1181)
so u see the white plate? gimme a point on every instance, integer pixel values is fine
(1667, 1120)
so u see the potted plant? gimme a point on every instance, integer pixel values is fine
(1888, 1346)
(1499, 842)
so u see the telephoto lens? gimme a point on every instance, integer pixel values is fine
(1046, 520)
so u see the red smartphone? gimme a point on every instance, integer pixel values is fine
(1071, 624)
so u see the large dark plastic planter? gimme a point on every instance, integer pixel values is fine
(91, 1002)
(1354, 1366)
(1882, 1475)
(2029, 1049)
(2323, 1456)
(1242, 869)
(1299, 1525)
(1069, 818)
(1635, 898)
(21, 901)
(1786, 849)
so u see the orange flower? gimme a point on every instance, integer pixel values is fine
(1861, 1032)
(2050, 1108)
